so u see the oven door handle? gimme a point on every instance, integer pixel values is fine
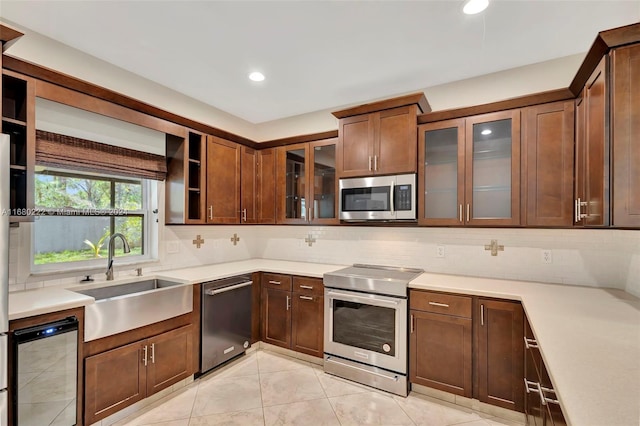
(371, 300)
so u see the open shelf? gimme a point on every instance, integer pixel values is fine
(14, 98)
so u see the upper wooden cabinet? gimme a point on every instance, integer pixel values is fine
(625, 131)
(548, 155)
(223, 181)
(257, 185)
(185, 192)
(18, 121)
(306, 183)
(379, 138)
(469, 171)
(592, 151)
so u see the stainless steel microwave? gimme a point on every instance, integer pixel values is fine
(385, 198)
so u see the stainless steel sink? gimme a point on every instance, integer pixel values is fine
(124, 307)
(108, 292)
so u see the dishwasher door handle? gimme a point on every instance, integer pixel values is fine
(230, 288)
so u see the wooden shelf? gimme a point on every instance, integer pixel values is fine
(14, 121)
(18, 167)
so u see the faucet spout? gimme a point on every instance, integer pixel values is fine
(125, 247)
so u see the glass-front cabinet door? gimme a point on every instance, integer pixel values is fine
(469, 171)
(323, 175)
(441, 173)
(306, 183)
(492, 175)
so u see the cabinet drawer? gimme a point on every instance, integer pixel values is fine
(440, 303)
(308, 285)
(277, 281)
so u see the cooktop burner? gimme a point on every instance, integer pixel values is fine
(372, 279)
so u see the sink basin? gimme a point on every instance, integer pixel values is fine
(124, 307)
(108, 292)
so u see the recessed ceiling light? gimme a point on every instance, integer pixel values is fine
(486, 132)
(256, 76)
(471, 7)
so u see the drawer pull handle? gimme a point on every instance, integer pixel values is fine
(307, 287)
(442, 305)
(549, 400)
(530, 343)
(274, 282)
(306, 297)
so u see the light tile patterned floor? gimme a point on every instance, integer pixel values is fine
(265, 388)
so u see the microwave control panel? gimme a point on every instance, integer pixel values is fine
(402, 197)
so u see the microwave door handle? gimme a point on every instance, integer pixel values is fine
(392, 196)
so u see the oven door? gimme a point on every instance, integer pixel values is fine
(365, 327)
(378, 198)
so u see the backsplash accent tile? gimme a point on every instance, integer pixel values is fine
(597, 258)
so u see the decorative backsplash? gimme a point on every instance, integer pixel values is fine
(597, 258)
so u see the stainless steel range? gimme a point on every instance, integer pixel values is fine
(365, 325)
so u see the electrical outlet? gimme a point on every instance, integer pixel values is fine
(547, 256)
(172, 247)
(440, 251)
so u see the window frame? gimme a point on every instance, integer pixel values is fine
(95, 264)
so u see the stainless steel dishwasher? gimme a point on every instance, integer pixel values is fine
(226, 320)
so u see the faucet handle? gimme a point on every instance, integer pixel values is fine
(139, 271)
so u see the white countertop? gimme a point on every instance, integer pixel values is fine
(589, 337)
(28, 303)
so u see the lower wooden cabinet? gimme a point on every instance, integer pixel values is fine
(293, 313)
(541, 405)
(499, 353)
(440, 353)
(123, 376)
(467, 346)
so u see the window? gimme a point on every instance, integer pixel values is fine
(78, 212)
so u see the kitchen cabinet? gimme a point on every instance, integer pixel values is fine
(499, 353)
(257, 182)
(223, 181)
(381, 142)
(541, 404)
(306, 184)
(18, 121)
(122, 376)
(625, 128)
(185, 192)
(440, 341)
(293, 313)
(592, 151)
(548, 155)
(469, 171)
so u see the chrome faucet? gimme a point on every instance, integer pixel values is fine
(125, 247)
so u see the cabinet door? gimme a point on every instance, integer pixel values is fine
(596, 149)
(492, 188)
(548, 163)
(324, 184)
(395, 145)
(440, 352)
(625, 126)
(307, 324)
(223, 181)
(248, 185)
(276, 317)
(500, 353)
(113, 380)
(170, 358)
(356, 145)
(266, 176)
(441, 173)
(292, 179)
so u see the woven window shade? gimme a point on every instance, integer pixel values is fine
(67, 152)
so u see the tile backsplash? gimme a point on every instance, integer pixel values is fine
(598, 258)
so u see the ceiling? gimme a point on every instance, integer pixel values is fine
(316, 54)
